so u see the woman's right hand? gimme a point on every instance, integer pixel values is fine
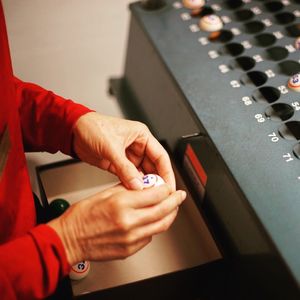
(117, 222)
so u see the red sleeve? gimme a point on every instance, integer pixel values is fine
(47, 120)
(33, 263)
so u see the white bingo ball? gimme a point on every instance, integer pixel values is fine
(294, 83)
(297, 43)
(80, 270)
(210, 23)
(151, 180)
(193, 4)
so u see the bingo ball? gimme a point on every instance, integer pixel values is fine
(58, 207)
(294, 83)
(151, 180)
(210, 23)
(193, 4)
(80, 270)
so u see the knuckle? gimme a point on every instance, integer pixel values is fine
(116, 204)
(143, 126)
(122, 222)
(119, 214)
(130, 238)
(165, 225)
(113, 204)
(125, 252)
(178, 197)
(162, 210)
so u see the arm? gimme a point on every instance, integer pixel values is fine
(47, 120)
(112, 224)
(32, 265)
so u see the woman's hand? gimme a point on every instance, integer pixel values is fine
(116, 223)
(122, 147)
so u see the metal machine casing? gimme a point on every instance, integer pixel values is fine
(175, 83)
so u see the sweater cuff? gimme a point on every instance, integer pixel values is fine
(47, 240)
(74, 112)
(33, 264)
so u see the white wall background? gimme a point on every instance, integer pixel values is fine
(70, 47)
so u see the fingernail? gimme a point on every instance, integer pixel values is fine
(136, 184)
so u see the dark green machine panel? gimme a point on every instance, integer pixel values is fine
(232, 92)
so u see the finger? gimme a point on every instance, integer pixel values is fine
(107, 193)
(124, 248)
(148, 166)
(138, 245)
(109, 250)
(139, 145)
(127, 172)
(106, 165)
(134, 158)
(160, 158)
(111, 191)
(157, 227)
(149, 197)
(162, 209)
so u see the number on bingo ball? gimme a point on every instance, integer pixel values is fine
(80, 270)
(151, 180)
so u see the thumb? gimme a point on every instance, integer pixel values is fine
(127, 173)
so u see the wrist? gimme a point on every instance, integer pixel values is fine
(68, 240)
(79, 133)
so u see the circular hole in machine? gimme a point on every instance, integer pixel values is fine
(234, 4)
(274, 6)
(245, 62)
(256, 77)
(266, 94)
(224, 36)
(285, 17)
(293, 30)
(279, 112)
(201, 12)
(234, 49)
(289, 67)
(265, 39)
(290, 130)
(244, 14)
(277, 53)
(296, 150)
(254, 27)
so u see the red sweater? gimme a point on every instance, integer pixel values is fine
(32, 258)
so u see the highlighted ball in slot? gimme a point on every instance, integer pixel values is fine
(211, 23)
(294, 83)
(193, 4)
